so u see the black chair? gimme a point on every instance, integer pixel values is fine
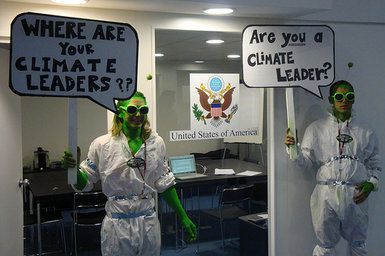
(233, 203)
(88, 211)
(49, 216)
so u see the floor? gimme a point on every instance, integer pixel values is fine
(210, 248)
(90, 243)
(210, 242)
(205, 249)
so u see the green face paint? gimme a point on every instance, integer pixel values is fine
(343, 100)
(133, 114)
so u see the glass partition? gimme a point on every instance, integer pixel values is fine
(185, 52)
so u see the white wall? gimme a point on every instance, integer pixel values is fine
(11, 232)
(45, 124)
(359, 33)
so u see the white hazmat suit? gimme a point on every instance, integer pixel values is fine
(340, 168)
(131, 226)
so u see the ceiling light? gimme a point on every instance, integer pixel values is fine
(233, 56)
(218, 11)
(199, 61)
(215, 41)
(70, 1)
(159, 54)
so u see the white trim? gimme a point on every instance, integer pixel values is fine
(271, 171)
(153, 103)
(153, 81)
(72, 136)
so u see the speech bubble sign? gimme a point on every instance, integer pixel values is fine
(70, 57)
(287, 56)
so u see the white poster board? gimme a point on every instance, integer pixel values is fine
(287, 56)
(291, 121)
(71, 57)
(55, 56)
(253, 111)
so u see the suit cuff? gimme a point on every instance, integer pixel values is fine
(374, 181)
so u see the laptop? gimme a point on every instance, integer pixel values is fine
(183, 167)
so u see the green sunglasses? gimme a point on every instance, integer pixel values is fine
(132, 109)
(338, 96)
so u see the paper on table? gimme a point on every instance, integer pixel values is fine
(248, 173)
(224, 171)
(264, 215)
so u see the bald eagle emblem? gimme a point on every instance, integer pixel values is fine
(215, 103)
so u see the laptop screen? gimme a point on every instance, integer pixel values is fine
(182, 164)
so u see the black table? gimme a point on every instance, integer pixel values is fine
(212, 180)
(235, 164)
(253, 235)
(50, 188)
(51, 185)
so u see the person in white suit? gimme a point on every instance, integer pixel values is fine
(347, 157)
(130, 162)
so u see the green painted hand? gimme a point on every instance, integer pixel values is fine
(67, 160)
(171, 197)
(190, 228)
(364, 189)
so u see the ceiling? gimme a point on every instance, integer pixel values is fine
(190, 45)
(187, 46)
(243, 8)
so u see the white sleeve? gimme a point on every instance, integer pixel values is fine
(166, 178)
(372, 161)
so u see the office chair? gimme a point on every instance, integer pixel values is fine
(48, 217)
(88, 211)
(233, 203)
